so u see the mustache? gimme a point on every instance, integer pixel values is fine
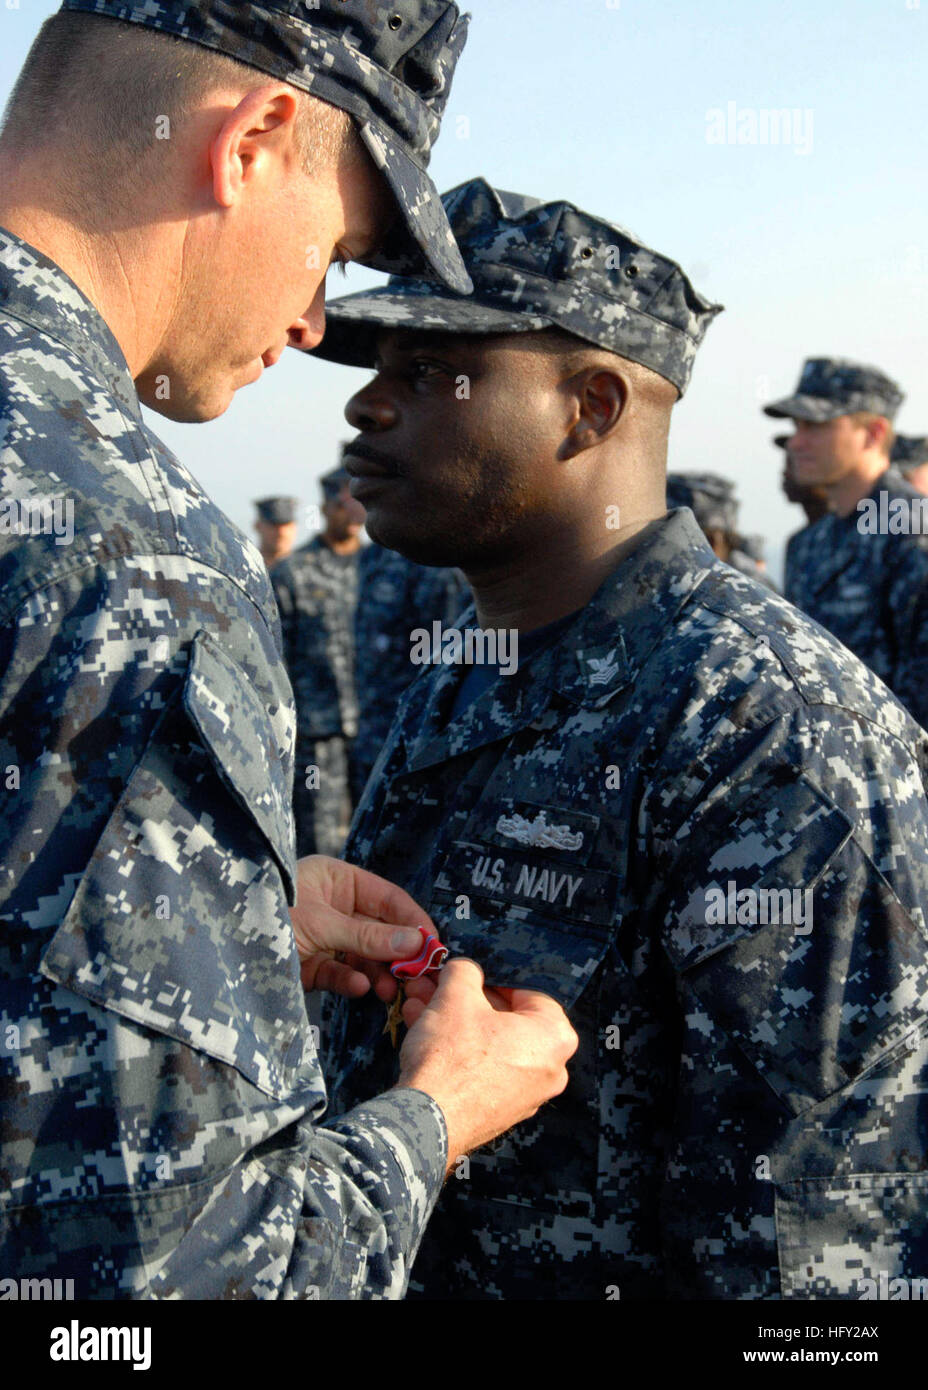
(360, 450)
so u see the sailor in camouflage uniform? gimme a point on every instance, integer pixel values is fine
(396, 597)
(712, 500)
(864, 569)
(161, 1091)
(690, 815)
(276, 528)
(317, 595)
(910, 456)
(813, 502)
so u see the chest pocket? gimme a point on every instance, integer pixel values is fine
(520, 892)
(180, 920)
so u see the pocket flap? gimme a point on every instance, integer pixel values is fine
(180, 919)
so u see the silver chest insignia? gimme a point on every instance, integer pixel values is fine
(538, 832)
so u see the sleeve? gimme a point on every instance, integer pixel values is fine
(908, 613)
(793, 920)
(163, 1097)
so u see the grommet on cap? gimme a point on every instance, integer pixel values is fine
(395, 21)
(631, 271)
(587, 252)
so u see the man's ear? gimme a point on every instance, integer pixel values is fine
(877, 431)
(600, 398)
(259, 126)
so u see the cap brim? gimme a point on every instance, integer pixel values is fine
(421, 242)
(814, 408)
(353, 322)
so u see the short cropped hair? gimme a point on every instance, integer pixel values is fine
(106, 85)
(869, 417)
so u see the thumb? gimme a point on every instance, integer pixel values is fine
(362, 936)
(532, 1001)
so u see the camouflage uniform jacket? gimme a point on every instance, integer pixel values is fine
(161, 1091)
(747, 1116)
(746, 564)
(799, 549)
(317, 594)
(870, 590)
(396, 596)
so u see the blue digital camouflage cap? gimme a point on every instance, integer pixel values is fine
(909, 451)
(709, 497)
(389, 64)
(332, 483)
(833, 386)
(277, 511)
(538, 265)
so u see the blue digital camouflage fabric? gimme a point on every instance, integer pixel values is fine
(538, 265)
(833, 386)
(390, 65)
(162, 1095)
(800, 550)
(865, 578)
(909, 451)
(396, 597)
(740, 558)
(317, 595)
(701, 825)
(712, 500)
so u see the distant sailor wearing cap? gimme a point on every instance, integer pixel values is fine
(317, 594)
(813, 501)
(276, 528)
(864, 574)
(713, 501)
(910, 456)
(175, 181)
(685, 811)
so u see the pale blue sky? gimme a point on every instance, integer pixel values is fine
(607, 104)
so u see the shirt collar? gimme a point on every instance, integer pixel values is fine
(613, 636)
(36, 291)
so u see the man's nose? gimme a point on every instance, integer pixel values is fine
(307, 332)
(371, 408)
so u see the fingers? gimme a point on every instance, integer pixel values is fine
(322, 972)
(531, 1001)
(499, 998)
(460, 975)
(343, 908)
(377, 941)
(413, 1009)
(378, 898)
(424, 988)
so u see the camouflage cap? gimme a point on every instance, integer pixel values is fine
(333, 482)
(277, 511)
(833, 386)
(709, 497)
(390, 65)
(909, 451)
(538, 265)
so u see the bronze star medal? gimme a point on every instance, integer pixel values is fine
(431, 957)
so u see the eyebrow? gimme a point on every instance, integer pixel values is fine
(410, 340)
